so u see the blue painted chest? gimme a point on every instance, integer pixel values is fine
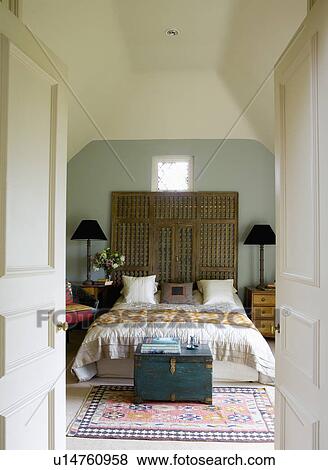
(183, 377)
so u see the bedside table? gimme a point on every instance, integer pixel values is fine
(261, 305)
(107, 295)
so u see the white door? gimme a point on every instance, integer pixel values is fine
(32, 242)
(301, 82)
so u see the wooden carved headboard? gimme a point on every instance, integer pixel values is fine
(177, 236)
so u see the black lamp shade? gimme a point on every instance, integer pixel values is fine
(261, 235)
(89, 230)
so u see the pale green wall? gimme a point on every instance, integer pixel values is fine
(245, 166)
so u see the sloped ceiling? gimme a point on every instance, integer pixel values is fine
(136, 83)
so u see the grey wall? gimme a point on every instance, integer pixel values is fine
(245, 166)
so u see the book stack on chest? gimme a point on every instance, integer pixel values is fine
(160, 346)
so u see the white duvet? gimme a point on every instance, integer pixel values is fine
(235, 344)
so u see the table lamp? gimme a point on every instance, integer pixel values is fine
(261, 235)
(88, 230)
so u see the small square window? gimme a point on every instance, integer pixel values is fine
(173, 173)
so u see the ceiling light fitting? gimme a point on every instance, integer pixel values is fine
(172, 32)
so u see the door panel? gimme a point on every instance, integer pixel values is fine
(175, 252)
(31, 116)
(20, 324)
(303, 355)
(301, 79)
(298, 95)
(300, 429)
(164, 252)
(27, 422)
(184, 253)
(33, 124)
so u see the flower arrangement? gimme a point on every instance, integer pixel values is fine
(108, 260)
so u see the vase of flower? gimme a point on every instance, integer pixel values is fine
(108, 260)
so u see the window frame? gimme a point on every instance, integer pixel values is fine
(172, 158)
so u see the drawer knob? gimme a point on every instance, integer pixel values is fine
(263, 299)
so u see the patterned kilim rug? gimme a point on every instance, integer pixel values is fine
(238, 414)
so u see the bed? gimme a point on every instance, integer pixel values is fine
(177, 237)
(239, 351)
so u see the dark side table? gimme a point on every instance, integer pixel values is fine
(107, 295)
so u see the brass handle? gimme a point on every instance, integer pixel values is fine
(173, 362)
(62, 326)
(263, 299)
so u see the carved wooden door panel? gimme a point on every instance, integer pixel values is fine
(177, 236)
(164, 255)
(174, 252)
(184, 250)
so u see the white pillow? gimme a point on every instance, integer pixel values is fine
(155, 286)
(139, 289)
(228, 281)
(216, 291)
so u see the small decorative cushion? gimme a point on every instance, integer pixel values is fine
(139, 289)
(69, 293)
(216, 291)
(76, 313)
(176, 293)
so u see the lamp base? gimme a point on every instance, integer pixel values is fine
(265, 287)
(261, 287)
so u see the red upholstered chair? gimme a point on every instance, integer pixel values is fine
(80, 307)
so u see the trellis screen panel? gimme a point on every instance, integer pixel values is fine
(177, 236)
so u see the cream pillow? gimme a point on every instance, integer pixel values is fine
(155, 287)
(216, 291)
(139, 289)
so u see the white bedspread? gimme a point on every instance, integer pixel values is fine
(235, 344)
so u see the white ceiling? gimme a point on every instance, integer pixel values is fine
(138, 84)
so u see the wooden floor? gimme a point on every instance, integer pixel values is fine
(76, 393)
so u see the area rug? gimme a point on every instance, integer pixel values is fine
(238, 414)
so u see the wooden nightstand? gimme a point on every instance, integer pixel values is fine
(107, 295)
(260, 305)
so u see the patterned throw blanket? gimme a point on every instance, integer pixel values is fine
(156, 315)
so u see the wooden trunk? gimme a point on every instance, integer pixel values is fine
(165, 377)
